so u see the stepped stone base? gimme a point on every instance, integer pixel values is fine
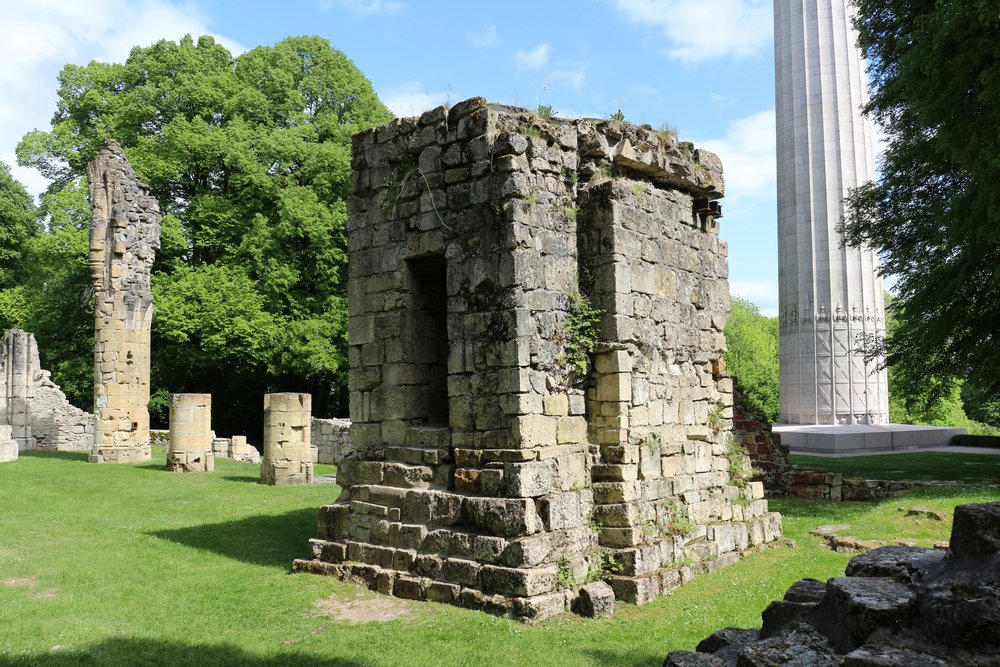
(862, 439)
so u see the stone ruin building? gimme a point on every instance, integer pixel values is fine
(124, 237)
(497, 469)
(33, 406)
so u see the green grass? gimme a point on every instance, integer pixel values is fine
(132, 565)
(919, 466)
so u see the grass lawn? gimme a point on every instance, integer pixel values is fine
(918, 466)
(132, 565)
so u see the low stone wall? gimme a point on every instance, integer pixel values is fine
(331, 440)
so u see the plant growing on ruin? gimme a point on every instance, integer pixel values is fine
(530, 131)
(652, 442)
(565, 576)
(569, 211)
(741, 469)
(570, 176)
(618, 116)
(715, 417)
(673, 521)
(580, 332)
(545, 111)
(601, 565)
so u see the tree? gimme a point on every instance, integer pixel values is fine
(250, 161)
(934, 212)
(18, 224)
(752, 355)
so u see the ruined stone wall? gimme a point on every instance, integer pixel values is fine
(33, 405)
(331, 440)
(497, 471)
(124, 236)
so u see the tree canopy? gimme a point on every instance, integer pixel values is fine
(17, 227)
(752, 355)
(934, 212)
(249, 158)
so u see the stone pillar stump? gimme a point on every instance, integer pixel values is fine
(287, 452)
(190, 447)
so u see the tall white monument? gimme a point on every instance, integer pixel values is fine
(830, 297)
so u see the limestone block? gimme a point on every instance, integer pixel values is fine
(8, 446)
(287, 457)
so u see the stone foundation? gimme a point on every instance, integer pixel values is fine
(287, 455)
(500, 470)
(124, 237)
(190, 433)
(33, 405)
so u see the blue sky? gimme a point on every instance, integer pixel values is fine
(702, 67)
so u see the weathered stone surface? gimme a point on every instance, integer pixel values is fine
(124, 237)
(897, 606)
(596, 600)
(976, 530)
(477, 236)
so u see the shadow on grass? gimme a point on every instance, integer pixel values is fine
(146, 652)
(80, 457)
(608, 656)
(273, 541)
(242, 478)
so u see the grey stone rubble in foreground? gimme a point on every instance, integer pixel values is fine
(897, 606)
(494, 471)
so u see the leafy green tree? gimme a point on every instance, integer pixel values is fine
(752, 355)
(18, 225)
(250, 161)
(934, 212)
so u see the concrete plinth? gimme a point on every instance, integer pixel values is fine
(863, 439)
(287, 451)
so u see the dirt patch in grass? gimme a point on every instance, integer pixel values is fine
(364, 610)
(355, 611)
(28, 582)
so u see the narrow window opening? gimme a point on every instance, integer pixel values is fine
(428, 344)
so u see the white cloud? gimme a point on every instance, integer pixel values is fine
(536, 58)
(748, 157)
(410, 99)
(368, 7)
(702, 30)
(485, 39)
(763, 295)
(38, 38)
(571, 76)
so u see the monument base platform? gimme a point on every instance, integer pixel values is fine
(862, 438)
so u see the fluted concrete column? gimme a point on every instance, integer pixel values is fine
(830, 297)
(191, 433)
(287, 448)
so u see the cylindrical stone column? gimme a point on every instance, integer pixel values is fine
(190, 447)
(830, 296)
(287, 444)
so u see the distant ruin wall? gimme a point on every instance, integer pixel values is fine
(33, 405)
(496, 470)
(124, 236)
(331, 440)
